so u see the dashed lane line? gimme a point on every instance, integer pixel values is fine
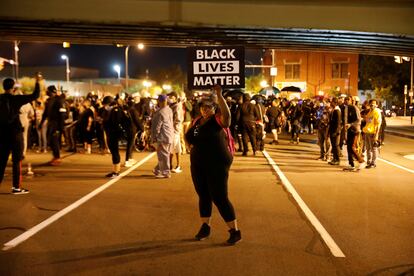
(32, 231)
(326, 237)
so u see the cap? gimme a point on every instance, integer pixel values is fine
(173, 93)
(162, 98)
(52, 88)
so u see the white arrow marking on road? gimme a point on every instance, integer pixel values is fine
(29, 233)
(333, 247)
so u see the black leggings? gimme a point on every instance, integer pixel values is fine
(113, 145)
(12, 143)
(211, 186)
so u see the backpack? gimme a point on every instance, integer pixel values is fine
(230, 140)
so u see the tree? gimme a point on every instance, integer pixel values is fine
(174, 75)
(384, 76)
(252, 84)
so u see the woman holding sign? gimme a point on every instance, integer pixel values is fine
(211, 158)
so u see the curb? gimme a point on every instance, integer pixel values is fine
(409, 136)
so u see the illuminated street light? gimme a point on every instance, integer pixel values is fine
(117, 69)
(147, 84)
(263, 84)
(166, 87)
(66, 58)
(140, 46)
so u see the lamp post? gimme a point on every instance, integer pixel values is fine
(16, 60)
(399, 59)
(117, 69)
(140, 46)
(66, 58)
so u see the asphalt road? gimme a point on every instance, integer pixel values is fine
(145, 226)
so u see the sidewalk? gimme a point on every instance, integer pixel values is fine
(400, 126)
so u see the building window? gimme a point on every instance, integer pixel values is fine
(292, 71)
(339, 70)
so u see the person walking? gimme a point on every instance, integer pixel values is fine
(162, 134)
(335, 127)
(55, 113)
(372, 130)
(211, 160)
(274, 113)
(353, 129)
(11, 137)
(247, 115)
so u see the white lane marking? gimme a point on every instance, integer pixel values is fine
(333, 247)
(409, 156)
(396, 165)
(32, 231)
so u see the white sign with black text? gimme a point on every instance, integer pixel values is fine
(209, 66)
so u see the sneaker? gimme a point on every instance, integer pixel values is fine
(235, 236)
(112, 175)
(349, 168)
(19, 191)
(369, 166)
(55, 162)
(362, 165)
(177, 170)
(130, 163)
(162, 175)
(203, 233)
(333, 162)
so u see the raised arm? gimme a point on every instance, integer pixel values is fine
(225, 116)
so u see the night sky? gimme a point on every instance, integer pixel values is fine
(103, 57)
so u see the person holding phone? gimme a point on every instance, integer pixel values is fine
(211, 160)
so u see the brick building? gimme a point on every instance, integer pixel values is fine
(315, 73)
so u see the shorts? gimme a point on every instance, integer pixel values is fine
(176, 146)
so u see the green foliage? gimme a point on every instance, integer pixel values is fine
(384, 76)
(173, 75)
(252, 84)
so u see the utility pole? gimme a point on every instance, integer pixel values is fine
(16, 60)
(126, 68)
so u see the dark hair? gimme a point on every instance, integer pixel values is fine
(8, 83)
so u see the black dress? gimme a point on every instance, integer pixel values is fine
(210, 163)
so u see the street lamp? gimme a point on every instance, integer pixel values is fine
(66, 58)
(140, 46)
(16, 59)
(117, 69)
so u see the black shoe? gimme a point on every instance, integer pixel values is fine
(235, 236)
(203, 233)
(244, 154)
(112, 175)
(334, 162)
(369, 166)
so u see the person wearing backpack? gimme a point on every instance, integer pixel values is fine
(211, 158)
(11, 137)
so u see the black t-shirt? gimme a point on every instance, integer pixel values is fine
(209, 141)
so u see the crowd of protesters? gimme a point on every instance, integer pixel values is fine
(75, 124)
